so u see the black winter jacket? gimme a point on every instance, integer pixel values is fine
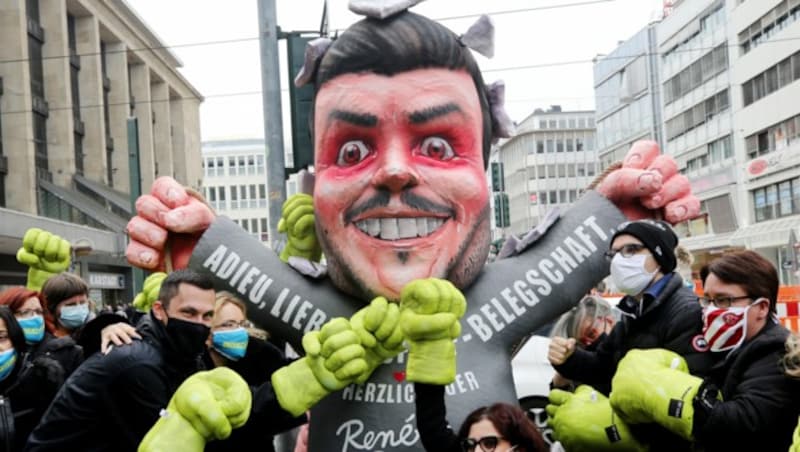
(267, 418)
(435, 433)
(760, 404)
(111, 401)
(62, 349)
(26, 394)
(673, 320)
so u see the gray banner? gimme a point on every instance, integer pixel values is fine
(510, 299)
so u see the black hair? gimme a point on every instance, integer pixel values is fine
(171, 284)
(15, 334)
(401, 43)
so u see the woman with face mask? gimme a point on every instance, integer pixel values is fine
(747, 402)
(27, 384)
(38, 328)
(233, 343)
(658, 311)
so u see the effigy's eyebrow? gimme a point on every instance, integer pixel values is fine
(427, 114)
(355, 118)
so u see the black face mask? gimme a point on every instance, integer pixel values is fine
(188, 338)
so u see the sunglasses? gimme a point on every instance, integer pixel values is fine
(487, 443)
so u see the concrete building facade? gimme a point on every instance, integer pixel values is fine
(548, 163)
(72, 73)
(628, 97)
(235, 183)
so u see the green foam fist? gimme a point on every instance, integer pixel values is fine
(45, 254)
(152, 285)
(378, 328)
(334, 359)
(795, 447)
(654, 386)
(297, 221)
(584, 422)
(430, 310)
(207, 406)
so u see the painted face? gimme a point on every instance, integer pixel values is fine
(400, 189)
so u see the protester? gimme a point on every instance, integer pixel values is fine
(38, 327)
(112, 400)
(759, 403)
(28, 384)
(255, 360)
(67, 299)
(588, 323)
(658, 311)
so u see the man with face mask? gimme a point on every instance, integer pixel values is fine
(759, 403)
(130, 385)
(658, 312)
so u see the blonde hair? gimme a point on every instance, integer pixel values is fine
(591, 306)
(224, 297)
(791, 360)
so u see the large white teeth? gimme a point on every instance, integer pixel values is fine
(400, 228)
(389, 229)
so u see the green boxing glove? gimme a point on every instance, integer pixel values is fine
(45, 254)
(297, 221)
(654, 386)
(584, 422)
(429, 314)
(152, 285)
(207, 406)
(795, 447)
(378, 327)
(334, 359)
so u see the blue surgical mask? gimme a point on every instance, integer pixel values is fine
(73, 317)
(33, 327)
(7, 360)
(231, 344)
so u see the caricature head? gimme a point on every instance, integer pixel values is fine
(402, 132)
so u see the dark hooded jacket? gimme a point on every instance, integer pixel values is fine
(111, 401)
(62, 349)
(26, 394)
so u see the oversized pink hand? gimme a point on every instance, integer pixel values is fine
(169, 215)
(648, 185)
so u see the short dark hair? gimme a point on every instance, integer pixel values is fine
(171, 284)
(15, 333)
(61, 287)
(757, 276)
(511, 422)
(401, 43)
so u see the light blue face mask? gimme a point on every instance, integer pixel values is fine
(73, 317)
(7, 360)
(231, 344)
(33, 327)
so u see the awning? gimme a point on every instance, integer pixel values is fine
(121, 200)
(766, 234)
(87, 205)
(707, 241)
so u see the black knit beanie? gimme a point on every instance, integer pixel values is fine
(657, 236)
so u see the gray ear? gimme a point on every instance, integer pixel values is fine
(380, 9)
(480, 36)
(315, 50)
(502, 125)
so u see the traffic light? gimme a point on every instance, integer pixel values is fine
(300, 99)
(502, 215)
(498, 184)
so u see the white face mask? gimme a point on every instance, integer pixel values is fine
(629, 274)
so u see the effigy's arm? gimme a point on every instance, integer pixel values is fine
(517, 295)
(279, 299)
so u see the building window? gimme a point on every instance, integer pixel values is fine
(774, 138)
(242, 169)
(260, 164)
(231, 166)
(777, 200)
(771, 80)
(702, 70)
(768, 25)
(697, 115)
(251, 165)
(539, 147)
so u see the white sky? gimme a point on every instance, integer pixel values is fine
(228, 74)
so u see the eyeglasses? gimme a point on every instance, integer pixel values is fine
(26, 313)
(487, 443)
(231, 324)
(626, 250)
(720, 302)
